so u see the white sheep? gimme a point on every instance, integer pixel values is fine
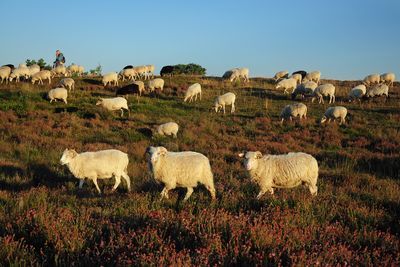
(141, 71)
(324, 90)
(333, 113)
(111, 77)
(81, 70)
(297, 77)
(357, 92)
(313, 76)
(169, 128)
(372, 79)
(58, 93)
(192, 92)
(101, 164)
(306, 88)
(378, 90)
(223, 100)
(280, 74)
(35, 68)
(157, 83)
(21, 71)
(40, 76)
(112, 104)
(180, 169)
(140, 85)
(68, 83)
(59, 70)
(281, 171)
(287, 84)
(388, 78)
(292, 111)
(5, 73)
(237, 73)
(128, 73)
(150, 70)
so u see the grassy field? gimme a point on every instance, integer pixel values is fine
(46, 220)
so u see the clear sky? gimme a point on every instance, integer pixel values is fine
(344, 39)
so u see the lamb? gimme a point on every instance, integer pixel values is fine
(281, 171)
(133, 88)
(68, 83)
(5, 72)
(40, 76)
(58, 93)
(294, 110)
(128, 73)
(324, 90)
(193, 91)
(357, 92)
(287, 84)
(280, 75)
(111, 77)
(59, 70)
(101, 164)
(378, 90)
(116, 103)
(372, 79)
(180, 169)
(313, 76)
(388, 78)
(157, 83)
(333, 113)
(297, 77)
(169, 128)
(223, 100)
(306, 88)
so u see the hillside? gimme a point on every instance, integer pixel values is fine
(46, 220)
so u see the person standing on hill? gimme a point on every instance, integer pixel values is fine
(60, 59)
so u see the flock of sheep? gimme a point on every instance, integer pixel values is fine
(187, 169)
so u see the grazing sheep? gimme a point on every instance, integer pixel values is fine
(294, 110)
(68, 83)
(128, 73)
(40, 76)
(75, 69)
(21, 71)
(169, 128)
(5, 72)
(111, 77)
(357, 92)
(141, 71)
(59, 70)
(287, 84)
(11, 66)
(112, 104)
(333, 113)
(324, 90)
(150, 70)
(372, 78)
(281, 171)
(167, 70)
(313, 76)
(303, 73)
(130, 89)
(306, 88)
(157, 83)
(223, 100)
(140, 85)
(58, 93)
(280, 75)
(388, 78)
(297, 77)
(180, 169)
(237, 73)
(101, 164)
(378, 90)
(193, 91)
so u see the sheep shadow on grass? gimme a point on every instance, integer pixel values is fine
(92, 81)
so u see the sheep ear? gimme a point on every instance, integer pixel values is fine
(241, 155)
(258, 155)
(73, 153)
(163, 150)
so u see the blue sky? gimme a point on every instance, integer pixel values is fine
(343, 39)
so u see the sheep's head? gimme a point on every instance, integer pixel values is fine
(217, 106)
(99, 102)
(156, 152)
(67, 156)
(251, 159)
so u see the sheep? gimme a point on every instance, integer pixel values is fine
(59, 70)
(297, 77)
(141, 71)
(372, 78)
(333, 113)
(68, 83)
(306, 88)
(73, 68)
(388, 78)
(116, 103)
(5, 72)
(378, 90)
(180, 169)
(109, 78)
(169, 128)
(167, 70)
(193, 91)
(294, 110)
(303, 73)
(35, 68)
(287, 84)
(128, 73)
(157, 83)
(223, 100)
(101, 164)
(357, 92)
(281, 171)
(11, 66)
(237, 73)
(313, 76)
(150, 70)
(140, 85)
(58, 93)
(40, 76)
(21, 71)
(280, 75)
(130, 89)
(81, 70)
(324, 90)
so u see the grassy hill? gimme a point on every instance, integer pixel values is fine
(46, 220)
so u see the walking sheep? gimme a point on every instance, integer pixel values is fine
(116, 103)
(40, 76)
(333, 113)
(223, 100)
(111, 77)
(281, 171)
(324, 90)
(378, 90)
(193, 91)
(58, 93)
(180, 169)
(101, 164)
(388, 78)
(169, 128)
(294, 110)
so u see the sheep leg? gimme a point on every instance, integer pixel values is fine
(211, 189)
(233, 108)
(200, 95)
(127, 180)
(313, 189)
(81, 181)
(65, 101)
(262, 192)
(188, 193)
(164, 193)
(122, 112)
(223, 107)
(97, 186)
(117, 182)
